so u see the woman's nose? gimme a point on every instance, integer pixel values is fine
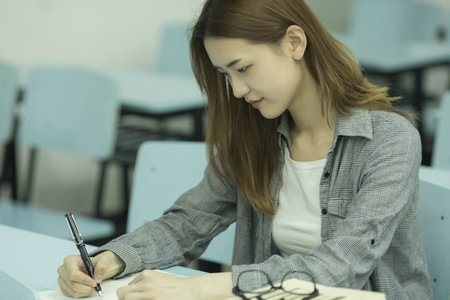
(240, 88)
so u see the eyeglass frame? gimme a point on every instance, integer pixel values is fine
(258, 295)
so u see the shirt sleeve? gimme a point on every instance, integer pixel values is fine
(385, 198)
(183, 232)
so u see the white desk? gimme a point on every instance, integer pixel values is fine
(34, 258)
(435, 176)
(390, 59)
(157, 93)
(386, 57)
(51, 222)
(147, 91)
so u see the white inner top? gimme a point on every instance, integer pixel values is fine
(296, 225)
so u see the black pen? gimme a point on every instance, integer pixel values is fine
(80, 245)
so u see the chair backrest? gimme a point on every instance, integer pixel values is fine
(441, 148)
(434, 217)
(9, 84)
(164, 170)
(394, 21)
(173, 52)
(71, 109)
(12, 288)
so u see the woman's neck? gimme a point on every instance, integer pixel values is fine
(310, 116)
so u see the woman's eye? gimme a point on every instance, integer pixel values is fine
(242, 70)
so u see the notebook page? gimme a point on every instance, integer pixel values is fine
(109, 288)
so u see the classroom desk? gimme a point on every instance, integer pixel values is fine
(149, 93)
(435, 176)
(156, 92)
(160, 95)
(391, 59)
(146, 91)
(43, 220)
(34, 258)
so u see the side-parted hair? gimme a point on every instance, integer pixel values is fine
(242, 143)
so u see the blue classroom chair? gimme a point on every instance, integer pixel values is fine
(434, 216)
(12, 288)
(9, 85)
(73, 110)
(165, 170)
(441, 148)
(173, 50)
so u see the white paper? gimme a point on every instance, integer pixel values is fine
(109, 288)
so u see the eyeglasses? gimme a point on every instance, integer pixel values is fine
(308, 290)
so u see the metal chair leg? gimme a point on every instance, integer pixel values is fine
(126, 189)
(30, 175)
(100, 185)
(9, 169)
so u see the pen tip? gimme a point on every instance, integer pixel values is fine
(100, 294)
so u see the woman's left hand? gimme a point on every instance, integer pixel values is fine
(155, 285)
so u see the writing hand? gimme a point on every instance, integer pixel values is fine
(73, 279)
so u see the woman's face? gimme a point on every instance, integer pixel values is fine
(266, 77)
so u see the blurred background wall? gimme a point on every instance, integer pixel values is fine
(117, 33)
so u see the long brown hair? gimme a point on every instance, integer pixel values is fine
(240, 141)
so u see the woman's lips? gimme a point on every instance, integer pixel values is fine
(256, 104)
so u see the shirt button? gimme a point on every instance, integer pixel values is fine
(326, 175)
(324, 211)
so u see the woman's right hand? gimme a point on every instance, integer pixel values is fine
(73, 278)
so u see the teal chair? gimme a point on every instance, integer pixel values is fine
(14, 289)
(73, 110)
(165, 170)
(441, 148)
(173, 49)
(394, 20)
(9, 86)
(434, 217)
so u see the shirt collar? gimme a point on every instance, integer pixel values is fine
(357, 123)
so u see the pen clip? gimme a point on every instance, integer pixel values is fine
(73, 228)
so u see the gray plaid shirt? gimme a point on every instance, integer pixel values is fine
(368, 195)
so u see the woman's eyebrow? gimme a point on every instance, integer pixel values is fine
(230, 64)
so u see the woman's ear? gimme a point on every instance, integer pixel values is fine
(296, 41)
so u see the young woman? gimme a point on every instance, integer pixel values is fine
(313, 163)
